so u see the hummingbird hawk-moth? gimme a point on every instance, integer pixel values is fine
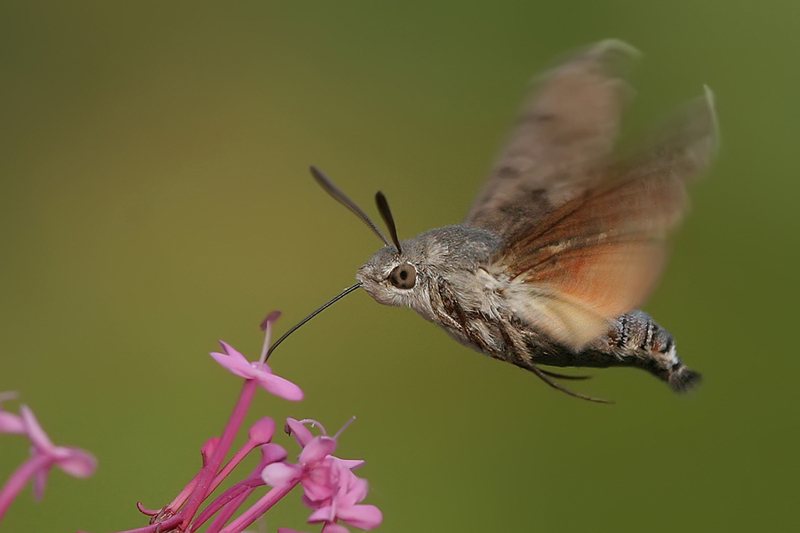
(567, 237)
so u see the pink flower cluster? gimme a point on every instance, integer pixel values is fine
(329, 486)
(44, 456)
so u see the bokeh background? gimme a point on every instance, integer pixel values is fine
(155, 198)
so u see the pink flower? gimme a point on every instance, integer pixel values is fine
(329, 486)
(73, 461)
(259, 371)
(44, 455)
(312, 471)
(345, 505)
(304, 437)
(317, 470)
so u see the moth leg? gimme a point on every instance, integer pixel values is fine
(543, 375)
(550, 373)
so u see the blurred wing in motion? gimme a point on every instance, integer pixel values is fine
(600, 254)
(563, 139)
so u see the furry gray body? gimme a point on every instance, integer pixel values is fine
(458, 289)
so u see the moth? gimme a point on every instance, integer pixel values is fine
(568, 236)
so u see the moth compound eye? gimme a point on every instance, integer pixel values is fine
(403, 276)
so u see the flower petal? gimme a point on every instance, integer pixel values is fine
(356, 491)
(77, 463)
(236, 365)
(231, 351)
(316, 450)
(352, 464)
(7, 395)
(39, 482)
(279, 386)
(299, 431)
(281, 475)
(361, 516)
(11, 423)
(272, 453)
(35, 433)
(320, 483)
(322, 514)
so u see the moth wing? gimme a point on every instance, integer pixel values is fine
(563, 138)
(600, 255)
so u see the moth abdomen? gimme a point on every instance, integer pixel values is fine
(636, 339)
(683, 379)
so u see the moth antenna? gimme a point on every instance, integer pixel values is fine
(330, 302)
(544, 375)
(556, 375)
(326, 183)
(386, 214)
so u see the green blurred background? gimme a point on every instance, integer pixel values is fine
(155, 197)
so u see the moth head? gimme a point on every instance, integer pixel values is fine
(451, 255)
(394, 278)
(404, 276)
(396, 274)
